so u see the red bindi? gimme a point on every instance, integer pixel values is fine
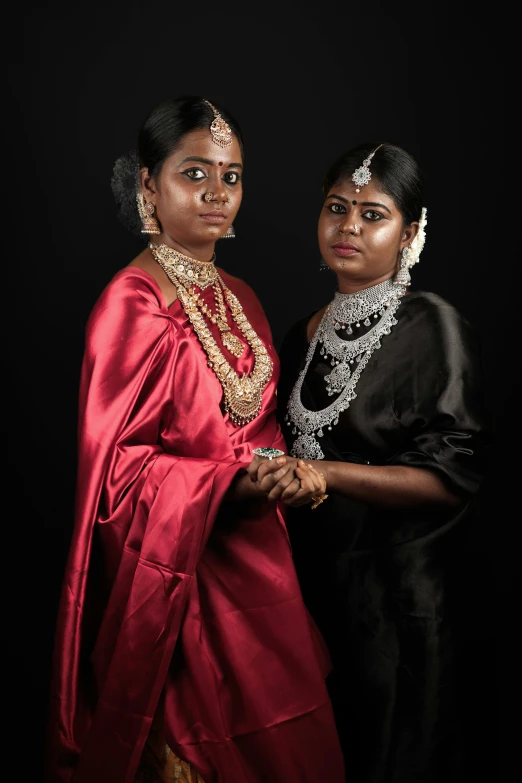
(220, 163)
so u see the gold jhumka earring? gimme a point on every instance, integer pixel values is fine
(149, 223)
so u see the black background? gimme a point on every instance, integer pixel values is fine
(305, 84)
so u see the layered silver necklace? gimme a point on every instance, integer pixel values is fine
(348, 357)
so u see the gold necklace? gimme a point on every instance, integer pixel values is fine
(228, 338)
(243, 395)
(186, 269)
(202, 274)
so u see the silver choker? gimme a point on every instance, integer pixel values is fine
(347, 357)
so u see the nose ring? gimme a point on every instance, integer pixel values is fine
(356, 228)
(208, 196)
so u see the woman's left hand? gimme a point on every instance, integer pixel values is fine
(307, 485)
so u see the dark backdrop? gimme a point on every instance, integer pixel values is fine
(305, 84)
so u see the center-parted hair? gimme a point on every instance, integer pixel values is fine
(170, 121)
(398, 173)
(161, 133)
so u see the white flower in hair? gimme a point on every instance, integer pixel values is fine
(418, 243)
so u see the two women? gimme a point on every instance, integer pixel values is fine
(380, 390)
(183, 644)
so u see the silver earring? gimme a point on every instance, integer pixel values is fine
(323, 265)
(229, 233)
(403, 275)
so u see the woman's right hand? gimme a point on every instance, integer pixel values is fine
(291, 480)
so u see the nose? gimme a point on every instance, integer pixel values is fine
(217, 192)
(349, 227)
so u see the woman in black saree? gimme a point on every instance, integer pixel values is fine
(380, 390)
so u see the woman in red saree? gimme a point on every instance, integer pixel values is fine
(182, 634)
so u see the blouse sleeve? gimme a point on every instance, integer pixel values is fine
(438, 397)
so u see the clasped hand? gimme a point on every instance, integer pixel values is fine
(288, 479)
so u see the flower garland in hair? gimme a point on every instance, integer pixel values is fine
(420, 238)
(124, 184)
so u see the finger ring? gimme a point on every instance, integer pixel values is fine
(268, 453)
(318, 499)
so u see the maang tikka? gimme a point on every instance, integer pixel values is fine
(363, 175)
(220, 130)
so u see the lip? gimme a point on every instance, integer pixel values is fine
(344, 249)
(213, 217)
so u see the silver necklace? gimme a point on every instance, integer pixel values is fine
(347, 357)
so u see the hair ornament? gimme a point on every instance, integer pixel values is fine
(220, 130)
(363, 175)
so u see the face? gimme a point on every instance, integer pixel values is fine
(189, 222)
(361, 235)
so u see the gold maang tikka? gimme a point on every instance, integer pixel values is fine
(220, 130)
(363, 175)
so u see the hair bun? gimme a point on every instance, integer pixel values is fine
(124, 184)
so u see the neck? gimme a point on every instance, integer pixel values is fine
(346, 286)
(203, 252)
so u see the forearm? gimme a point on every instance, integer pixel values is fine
(392, 486)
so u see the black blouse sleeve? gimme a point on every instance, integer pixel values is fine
(438, 396)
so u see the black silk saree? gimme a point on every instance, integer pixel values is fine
(385, 585)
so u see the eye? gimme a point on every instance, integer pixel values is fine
(195, 173)
(232, 177)
(337, 209)
(373, 215)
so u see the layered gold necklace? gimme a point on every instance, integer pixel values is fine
(243, 394)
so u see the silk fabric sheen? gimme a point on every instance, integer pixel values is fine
(168, 589)
(387, 587)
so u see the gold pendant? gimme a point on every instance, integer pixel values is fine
(233, 343)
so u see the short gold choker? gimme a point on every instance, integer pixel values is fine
(186, 269)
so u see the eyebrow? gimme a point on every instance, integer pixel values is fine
(209, 162)
(362, 203)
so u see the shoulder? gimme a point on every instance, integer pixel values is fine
(236, 284)
(244, 292)
(436, 315)
(130, 285)
(434, 333)
(131, 302)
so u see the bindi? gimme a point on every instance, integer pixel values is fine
(220, 163)
(354, 203)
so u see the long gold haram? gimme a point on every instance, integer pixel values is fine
(243, 395)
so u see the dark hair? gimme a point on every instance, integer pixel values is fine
(162, 131)
(169, 121)
(398, 174)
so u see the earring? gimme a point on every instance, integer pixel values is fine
(208, 196)
(146, 209)
(323, 265)
(230, 233)
(403, 275)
